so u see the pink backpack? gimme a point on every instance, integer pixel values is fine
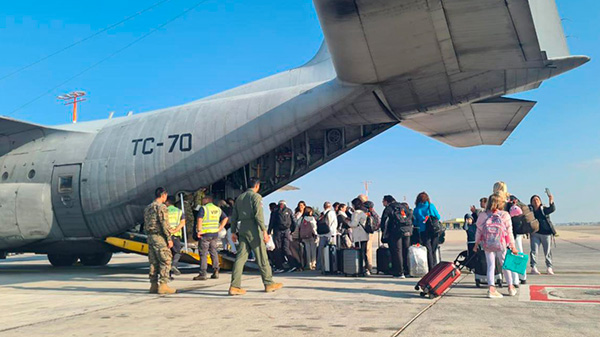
(494, 233)
(306, 229)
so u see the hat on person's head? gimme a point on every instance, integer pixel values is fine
(369, 204)
(513, 198)
(468, 216)
(282, 202)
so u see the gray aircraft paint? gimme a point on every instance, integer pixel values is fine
(441, 73)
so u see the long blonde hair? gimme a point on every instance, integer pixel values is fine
(495, 203)
(501, 189)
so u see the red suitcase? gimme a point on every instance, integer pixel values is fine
(438, 280)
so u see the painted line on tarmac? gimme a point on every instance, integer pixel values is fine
(543, 294)
(437, 299)
(580, 244)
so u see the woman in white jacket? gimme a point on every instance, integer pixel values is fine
(359, 236)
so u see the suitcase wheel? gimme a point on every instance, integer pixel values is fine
(422, 294)
(417, 287)
(432, 295)
(478, 283)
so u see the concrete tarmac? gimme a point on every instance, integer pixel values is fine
(40, 300)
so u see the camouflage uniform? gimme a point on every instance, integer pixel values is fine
(190, 221)
(156, 220)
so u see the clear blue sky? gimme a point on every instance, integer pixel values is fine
(223, 44)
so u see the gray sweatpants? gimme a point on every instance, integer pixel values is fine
(545, 240)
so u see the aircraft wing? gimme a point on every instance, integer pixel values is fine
(371, 41)
(14, 133)
(488, 122)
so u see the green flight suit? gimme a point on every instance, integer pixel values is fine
(248, 211)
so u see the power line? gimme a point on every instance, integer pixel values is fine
(109, 56)
(82, 40)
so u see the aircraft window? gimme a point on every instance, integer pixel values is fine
(4, 176)
(65, 184)
(31, 174)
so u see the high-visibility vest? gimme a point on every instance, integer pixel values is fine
(210, 221)
(174, 218)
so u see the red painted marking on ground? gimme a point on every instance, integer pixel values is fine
(537, 293)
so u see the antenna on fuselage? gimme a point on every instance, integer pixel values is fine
(111, 114)
(75, 96)
(129, 113)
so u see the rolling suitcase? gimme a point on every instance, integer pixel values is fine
(352, 262)
(330, 256)
(438, 280)
(384, 258)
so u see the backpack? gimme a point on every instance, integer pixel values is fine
(306, 230)
(433, 224)
(400, 221)
(525, 223)
(370, 224)
(322, 226)
(494, 234)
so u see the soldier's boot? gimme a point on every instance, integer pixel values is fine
(201, 277)
(164, 289)
(175, 271)
(233, 291)
(154, 288)
(269, 288)
(215, 275)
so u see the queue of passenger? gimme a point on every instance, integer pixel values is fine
(504, 221)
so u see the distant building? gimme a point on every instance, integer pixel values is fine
(456, 223)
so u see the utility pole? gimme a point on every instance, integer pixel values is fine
(367, 183)
(75, 96)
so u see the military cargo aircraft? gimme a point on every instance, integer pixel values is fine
(439, 67)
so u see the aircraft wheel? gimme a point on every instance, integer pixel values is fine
(62, 260)
(100, 259)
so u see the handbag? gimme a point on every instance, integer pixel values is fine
(433, 225)
(516, 263)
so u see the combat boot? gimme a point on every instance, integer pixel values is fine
(233, 291)
(269, 288)
(201, 277)
(164, 289)
(215, 275)
(154, 288)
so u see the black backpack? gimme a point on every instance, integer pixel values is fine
(400, 220)
(322, 226)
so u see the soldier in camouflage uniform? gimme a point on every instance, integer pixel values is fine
(156, 221)
(252, 235)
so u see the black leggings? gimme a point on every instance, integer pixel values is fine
(432, 243)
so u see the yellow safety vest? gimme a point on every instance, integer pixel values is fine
(210, 221)
(174, 218)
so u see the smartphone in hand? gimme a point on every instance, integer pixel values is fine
(548, 191)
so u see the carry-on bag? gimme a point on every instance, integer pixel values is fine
(516, 263)
(352, 262)
(330, 256)
(480, 270)
(417, 260)
(438, 280)
(384, 258)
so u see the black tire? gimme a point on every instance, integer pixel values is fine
(417, 287)
(422, 294)
(94, 260)
(62, 260)
(477, 283)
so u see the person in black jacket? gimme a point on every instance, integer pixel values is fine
(544, 235)
(396, 225)
(279, 226)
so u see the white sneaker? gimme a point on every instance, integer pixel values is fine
(367, 273)
(534, 271)
(494, 294)
(512, 291)
(550, 271)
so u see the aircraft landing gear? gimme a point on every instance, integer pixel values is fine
(100, 259)
(62, 260)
